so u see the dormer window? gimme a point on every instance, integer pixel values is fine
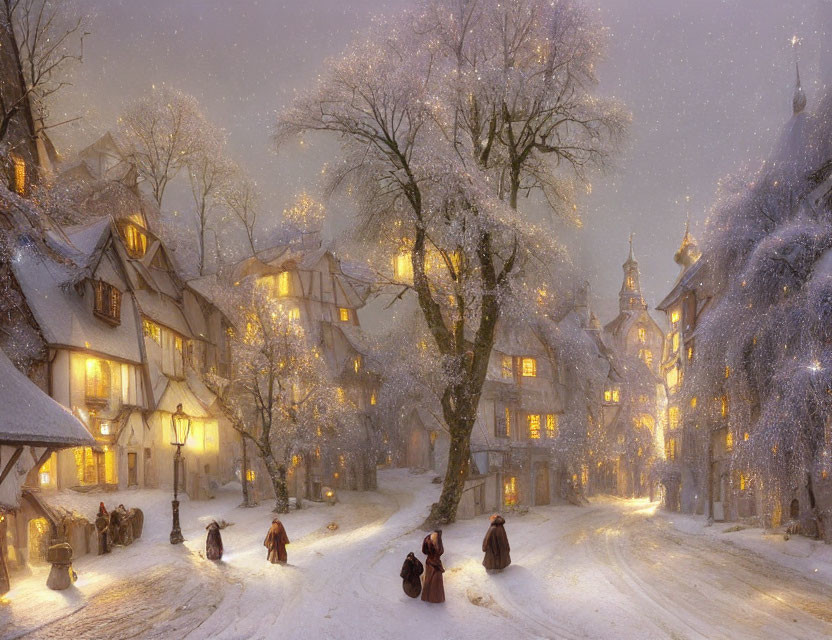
(136, 241)
(612, 395)
(107, 304)
(18, 175)
(529, 367)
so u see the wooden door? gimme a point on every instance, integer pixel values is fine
(541, 488)
(132, 469)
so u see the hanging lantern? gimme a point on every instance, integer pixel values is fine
(180, 427)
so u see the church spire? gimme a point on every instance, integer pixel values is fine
(688, 252)
(630, 298)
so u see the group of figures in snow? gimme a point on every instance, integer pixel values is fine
(275, 542)
(431, 587)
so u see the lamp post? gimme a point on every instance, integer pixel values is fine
(180, 426)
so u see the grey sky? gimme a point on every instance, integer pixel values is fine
(709, 84)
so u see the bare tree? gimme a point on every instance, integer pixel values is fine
(161, 134)
(446, 117)
(45, 38)
(211, 175)
(243, 201)
(281, 398)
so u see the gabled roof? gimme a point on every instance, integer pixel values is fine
(30, 417)
(682, 283)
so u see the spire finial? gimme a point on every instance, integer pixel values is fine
(799, 98)
(632, 256)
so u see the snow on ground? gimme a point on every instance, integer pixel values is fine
(610, 570)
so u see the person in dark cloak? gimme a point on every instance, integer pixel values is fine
(411, 573)
(433, 589)
(275, 542)
(102, 528)
(495, 545)
(213, 544)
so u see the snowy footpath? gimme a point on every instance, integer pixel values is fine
(615, 569)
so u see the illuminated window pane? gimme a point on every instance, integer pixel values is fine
(373, 398)
(672, 378)
(743, 482)
(724, 406)
(283, 284)
(403, 267)
(136, 241)
(152, 330)
(294, 314)
(608, 395)
(551, 425)
(642, 335)
(529, 368)
(675, 316)
(729, 440)
(507, 367)
(534, 426)
(19, 175)
(510, 491)
(97, 379)
(673, 417)
(344, 315)
(674, 342)
(356, 363)
(508, 422)
(616, 395)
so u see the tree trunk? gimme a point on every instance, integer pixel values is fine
(277, 473)
(459, 459)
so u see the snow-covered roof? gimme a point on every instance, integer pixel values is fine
(65, 317)
(30, 417)
(164, 311)
(178, 393)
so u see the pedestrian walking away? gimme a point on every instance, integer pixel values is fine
(213, 543)
(495, 545)
(433, 589)
(411, 575)
(275, 542)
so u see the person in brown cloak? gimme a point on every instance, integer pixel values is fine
(433, 589)
(213, 543)
(276, 541)
(495, 545)
(102, 525)
(411, 573)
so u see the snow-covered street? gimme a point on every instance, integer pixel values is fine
(614, 569)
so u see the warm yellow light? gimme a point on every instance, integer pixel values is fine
(724, 406)
(551, 425)
(674, 342)
(672, 378)
(508, 422)
(690, 353)
(510, 491)
(693, 402)
(608, 395)
(373, 399)
(294, 314)
(616, 395)
(745, 436)
(727, 371)
(675, 316)
(19, 175)
(250, 475)
(283, 284)
(673, 417)
(403, 267)
(534, 426)
(136, 241)
(344, 314)
(356, 363)
(729, 440)
(642, 335)
(507, 367)
(743, 482)
(529, 367)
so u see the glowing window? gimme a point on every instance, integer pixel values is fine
(510, 491)
(178, 344)
(152, 330)
(724, 406)
(403, 266)
(19, 175)
(45, 475)
(506, 426)
(136, 241)
(373, 398)
(674, 342)
(616, 395)
(693, 402)
(608, 395)
(105, 427)
(672, 378)
(646, 356)
(107, 302)
(642, 335)
(296, 460)
(250, 475)
(690, 352)
(675, 316)
(673, 417)
(344, 314)
(283, 284)
(743, 482)
(534, 426)
(745, 436)
(356, 363)
(97, 380)
(631, 283)
(670, 449)
(551, 425)
(529, 367)
(507, 367)
(727, 371)
(729, 440)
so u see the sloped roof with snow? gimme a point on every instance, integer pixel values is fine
(30, 417)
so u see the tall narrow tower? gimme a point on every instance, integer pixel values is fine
(630, 298)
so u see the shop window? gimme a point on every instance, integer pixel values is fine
(107, 303)
(97, 380)
(510, 491)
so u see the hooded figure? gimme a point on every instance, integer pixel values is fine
(495, 545)
(213, 544)
(433, 589)
(412, 570)
(276, 541)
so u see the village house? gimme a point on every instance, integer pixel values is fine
(322, 294)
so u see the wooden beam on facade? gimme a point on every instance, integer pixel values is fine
(10, 464)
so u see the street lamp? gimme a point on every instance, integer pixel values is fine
(180, 424)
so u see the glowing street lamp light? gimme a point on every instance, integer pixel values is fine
(180, 424)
